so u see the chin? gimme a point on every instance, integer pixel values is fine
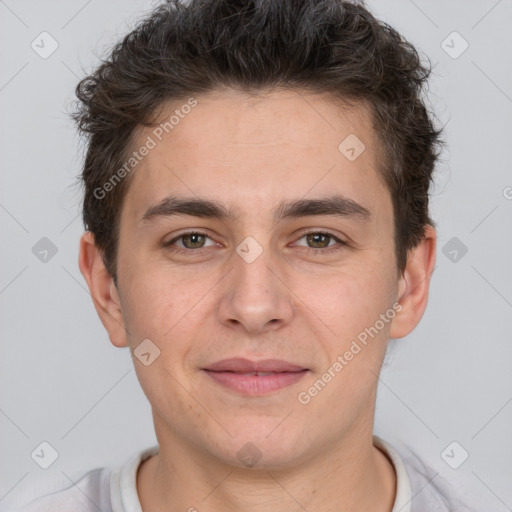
(260, 446)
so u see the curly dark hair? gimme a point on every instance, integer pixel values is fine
(196, 47)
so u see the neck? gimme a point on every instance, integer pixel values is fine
(353, 475)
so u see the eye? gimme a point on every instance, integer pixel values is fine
(322, 241)
(193, 240)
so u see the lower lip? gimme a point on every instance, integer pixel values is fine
(255, 385)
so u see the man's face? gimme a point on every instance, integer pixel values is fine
(253, 287)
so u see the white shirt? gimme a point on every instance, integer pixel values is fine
(419, 489)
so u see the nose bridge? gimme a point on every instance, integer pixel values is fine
(255, 294)
(254, 268)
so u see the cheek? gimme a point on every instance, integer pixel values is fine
(159, 300)
(161, 309)
(350, 299)
(351, 304)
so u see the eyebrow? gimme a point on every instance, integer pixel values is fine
(335, 205)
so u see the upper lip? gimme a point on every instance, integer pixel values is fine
(242, 365)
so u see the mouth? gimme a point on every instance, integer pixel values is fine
(255, 378)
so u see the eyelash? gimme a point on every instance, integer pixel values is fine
(310, 250)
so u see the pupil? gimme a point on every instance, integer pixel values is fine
(194, 237)
(314, 237)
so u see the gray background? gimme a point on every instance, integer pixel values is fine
(61, 381)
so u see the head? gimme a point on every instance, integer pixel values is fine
(293, 137)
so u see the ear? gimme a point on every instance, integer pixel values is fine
(103, 290)
(414, 285)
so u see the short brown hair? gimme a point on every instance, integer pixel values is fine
(333, 46)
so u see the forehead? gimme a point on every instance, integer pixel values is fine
(253, 152)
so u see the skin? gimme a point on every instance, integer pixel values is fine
(252, 153)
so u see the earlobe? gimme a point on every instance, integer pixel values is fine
(413, 286)
(102, 289)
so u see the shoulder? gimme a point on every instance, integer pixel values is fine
(430, 488)
(88, 493)
(423, 487)
(107, 489)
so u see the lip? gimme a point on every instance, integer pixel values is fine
(241, 375)
(242, 365)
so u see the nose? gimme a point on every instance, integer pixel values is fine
(255, 296)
